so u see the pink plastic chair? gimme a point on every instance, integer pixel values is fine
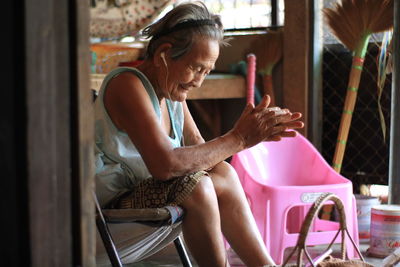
(281, 181)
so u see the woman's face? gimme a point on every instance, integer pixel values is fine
(189, 71)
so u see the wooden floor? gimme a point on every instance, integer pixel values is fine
(168, 257)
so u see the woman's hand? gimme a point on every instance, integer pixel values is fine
(262, 123)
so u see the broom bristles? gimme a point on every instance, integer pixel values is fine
(352, 19)
(273, 47)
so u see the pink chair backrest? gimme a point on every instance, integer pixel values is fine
(291, 161)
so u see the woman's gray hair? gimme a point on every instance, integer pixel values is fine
(183, 39)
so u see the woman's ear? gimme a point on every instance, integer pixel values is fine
(161, 55)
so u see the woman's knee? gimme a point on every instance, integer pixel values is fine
(203, 193)
(224, 177)
(225, 170)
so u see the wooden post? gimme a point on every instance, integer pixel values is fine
(59, 134)
(46, 135)
(84, 231)
(314, 127)
(296, 58)
(48, 132)
(394, 166)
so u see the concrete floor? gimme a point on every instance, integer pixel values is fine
(168, 257)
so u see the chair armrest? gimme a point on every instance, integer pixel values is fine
(168, 214)
(134, 215)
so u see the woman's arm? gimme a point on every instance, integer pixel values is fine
(131, 110)
(256, 124)
(191, 134)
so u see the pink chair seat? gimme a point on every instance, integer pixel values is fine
(281, 181)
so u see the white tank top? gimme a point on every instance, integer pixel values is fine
(119, 166)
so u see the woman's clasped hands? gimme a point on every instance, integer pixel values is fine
(264, 123)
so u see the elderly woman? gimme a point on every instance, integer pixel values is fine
(151, 154)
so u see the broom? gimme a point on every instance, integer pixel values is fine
(353, 22)
(272, 55)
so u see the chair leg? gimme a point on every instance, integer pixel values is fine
(108, 243)
(182, 252)
(106, 237)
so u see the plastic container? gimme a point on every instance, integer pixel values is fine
(385, 230)
(364, 205)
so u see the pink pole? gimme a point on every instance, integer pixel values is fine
(251, 77)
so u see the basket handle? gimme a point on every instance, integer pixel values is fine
(305, 228)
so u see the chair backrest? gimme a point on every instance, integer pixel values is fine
(291, 161)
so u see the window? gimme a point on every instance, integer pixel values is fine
(238, 14)
(245, 14)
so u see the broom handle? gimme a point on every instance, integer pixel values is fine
(350, 101)
(269, 88)
(345, 122)
(251, 70)
(349, 104)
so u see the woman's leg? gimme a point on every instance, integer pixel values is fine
(202, 226)
(238, 224)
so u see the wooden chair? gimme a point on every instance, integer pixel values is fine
(154, 217)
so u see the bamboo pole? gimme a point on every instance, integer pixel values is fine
(350, 102)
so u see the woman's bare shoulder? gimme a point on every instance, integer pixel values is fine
(125, 81)
(126, 97)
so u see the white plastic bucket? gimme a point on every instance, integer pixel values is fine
(385, 230)
(364, 205)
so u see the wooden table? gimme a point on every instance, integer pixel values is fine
(215, 86)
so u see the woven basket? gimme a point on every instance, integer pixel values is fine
(343, 231)
(110, 55)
